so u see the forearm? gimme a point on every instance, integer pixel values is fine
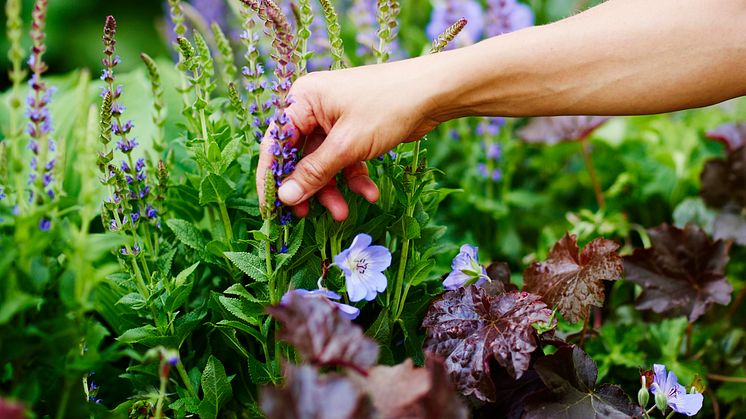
(622, 57)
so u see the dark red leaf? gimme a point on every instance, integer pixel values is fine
(724, 181)
(468, 327)
(570, 376)
(306, 394)
(573, 280)
(554, 129)
(683, 273)
(11, 410)
(732, 135)
(499, 273)
(322, 336)
(403, 391)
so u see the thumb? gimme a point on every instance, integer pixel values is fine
(316, 169)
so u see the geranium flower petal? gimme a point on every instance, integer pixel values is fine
(687, 404)
(377, 257)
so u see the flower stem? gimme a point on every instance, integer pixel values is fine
(185, 378)
(226, 224)
(726, 379)
(600, 199)
(399, 284)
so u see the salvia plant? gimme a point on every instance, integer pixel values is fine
(145, 276)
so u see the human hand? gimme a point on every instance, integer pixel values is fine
(344, 118)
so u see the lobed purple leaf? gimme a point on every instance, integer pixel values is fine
(573, 280)
(555, 129)
(570, 377)
(469, 327)
(403, 391)
(732, 135)
(307, 394)
(322, 335)
(683, 273)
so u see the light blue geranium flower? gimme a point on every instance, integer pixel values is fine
(666, 386)
(363, 266)
(465, 269)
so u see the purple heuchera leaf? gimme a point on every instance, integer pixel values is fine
(573, 280)
(554, 129)
(307, 394)
(468, 327)
(345, 310)
(676, 396)
(465, 268)
(403, 391)
(683, 273)
(570, 376)
(363, 267)
(11, 410)
(732, 135)
(321, 335)
(724, 187)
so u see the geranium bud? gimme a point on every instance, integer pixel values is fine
(661, 402)
(643, 396)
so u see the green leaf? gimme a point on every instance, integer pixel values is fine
(244, 310)
(187, 233)
(216, 389)
(230, 152)
(215, 188)
(249, 264)
(240, 291)
(132, 300)
(295, 241)
(139, 334)
(380, 330)
(183, 275)
(406, 227)
(262, 373)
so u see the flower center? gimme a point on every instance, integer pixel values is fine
(361, 265)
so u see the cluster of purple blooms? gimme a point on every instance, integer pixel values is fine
(39, 127)
(501, 16)
(135, 191)
(488, 128)
(254, 82)
(362, 14)
(362, 265)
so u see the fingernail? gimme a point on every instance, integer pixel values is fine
(290, 192)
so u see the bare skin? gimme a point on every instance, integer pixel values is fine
(623, 57)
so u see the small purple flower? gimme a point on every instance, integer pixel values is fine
(446, 12)
(2, 193)
(363, 266)
(675, 394)
(505, 16)
(347, 311)
(45, 224)
(465, 269)
(151, 212)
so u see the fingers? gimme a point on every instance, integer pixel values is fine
(360, 183)
(330, 197)
(301, 114)
(315, 170)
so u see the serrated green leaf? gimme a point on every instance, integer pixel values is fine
(138, 334)
(215, 387)
(249, 264)
(132, 300)
(187, 233)
(229, 154)
(244, 310)
(215, 188)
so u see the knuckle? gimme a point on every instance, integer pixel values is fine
(312, 170)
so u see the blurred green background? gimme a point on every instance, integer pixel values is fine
(74, 33)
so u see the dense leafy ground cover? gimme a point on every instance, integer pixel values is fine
(512, 268)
